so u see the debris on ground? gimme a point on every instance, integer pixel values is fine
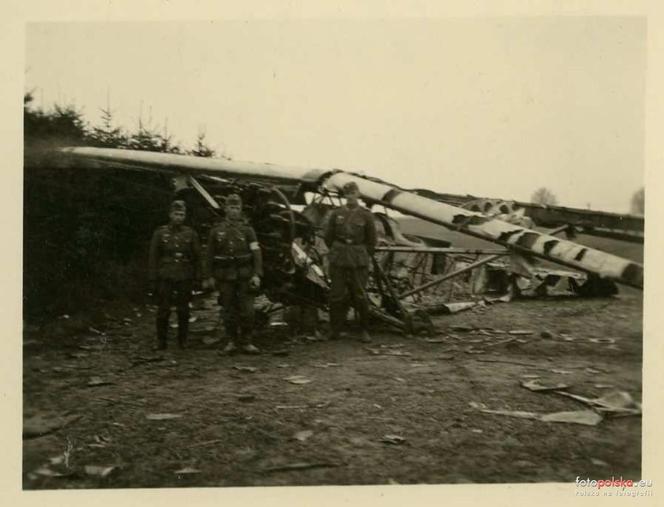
(393, 439)
(248, 369)
(520, 332)
(98, 381)
(387, 352)
(41, 425)
(512, 413)
(449, 308)
(302, 436)
(587, 417)
(602, 341)
(615, 403)
(99, 471)
(162, 417)
(298, 379)
(44, 471)
(58, 460)
(536, 385)
(253, 428)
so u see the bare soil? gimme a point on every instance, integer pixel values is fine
(396, 411)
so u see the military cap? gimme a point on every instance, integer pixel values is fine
(350, 187)
(178, 206)
(233, 200)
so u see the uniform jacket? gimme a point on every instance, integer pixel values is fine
(351, 236)
(175, 254)
(229, 256)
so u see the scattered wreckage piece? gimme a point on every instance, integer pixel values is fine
(615, 403)
(585, 417)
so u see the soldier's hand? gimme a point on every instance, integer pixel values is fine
(255, 282)
(208, 283)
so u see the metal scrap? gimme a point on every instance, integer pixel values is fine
(586, 417)
(535, 385)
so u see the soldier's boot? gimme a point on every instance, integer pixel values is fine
(247, 342)
(230, 347)
(162, 331)
(336, 321)
(183, 329)
(365, 337)
(363, 312)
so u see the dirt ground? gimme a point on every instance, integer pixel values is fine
(402, 410)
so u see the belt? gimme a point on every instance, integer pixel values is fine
(348, 242)
(240, 259)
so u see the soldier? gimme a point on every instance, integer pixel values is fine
(175, 263)
(351, 237)
(235, 265)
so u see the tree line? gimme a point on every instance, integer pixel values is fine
(86, 233)
(546, 197)
(67, 124)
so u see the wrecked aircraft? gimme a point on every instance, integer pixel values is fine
(288, 207)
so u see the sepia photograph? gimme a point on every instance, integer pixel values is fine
(334, 252)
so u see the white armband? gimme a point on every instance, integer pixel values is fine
(253, 246)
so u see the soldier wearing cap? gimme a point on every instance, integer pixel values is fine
(234, 264)
(175, 263)
(350, 235)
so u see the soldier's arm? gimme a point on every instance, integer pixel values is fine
(255, 248)
(209, 255)
(370, 226)
(328, 235)
(154, 256)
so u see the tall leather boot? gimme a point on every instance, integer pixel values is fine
(337, 318)
(247, 341)
(363, 313)
(231, 347)
(162, 330)
(183, 329)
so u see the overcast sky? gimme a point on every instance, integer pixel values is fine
(493, 107)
